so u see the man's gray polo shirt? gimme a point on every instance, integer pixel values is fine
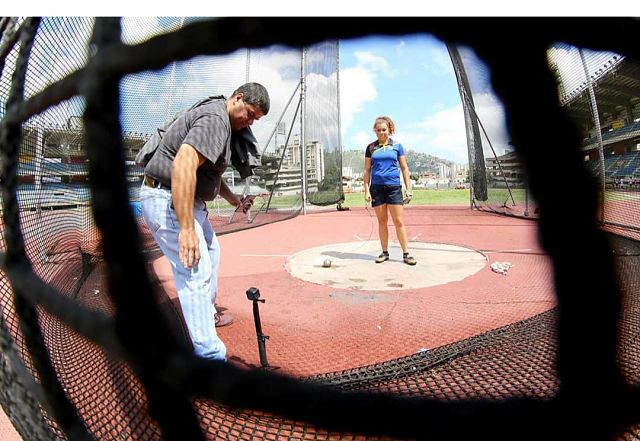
(208, 130)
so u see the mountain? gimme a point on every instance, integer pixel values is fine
(418, 162)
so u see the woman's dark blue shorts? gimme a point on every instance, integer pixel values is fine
(385, 194)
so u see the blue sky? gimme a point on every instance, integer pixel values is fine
(410, 79)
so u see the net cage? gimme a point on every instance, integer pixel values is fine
(599, 90)
(53, 162)
(74, 364)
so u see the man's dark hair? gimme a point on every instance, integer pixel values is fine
(255, 93)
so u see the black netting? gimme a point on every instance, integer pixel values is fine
(599, 90)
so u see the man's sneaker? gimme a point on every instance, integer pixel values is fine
(382, 257)
(409, 260)
(223, 319)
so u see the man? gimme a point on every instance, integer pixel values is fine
(185, 172)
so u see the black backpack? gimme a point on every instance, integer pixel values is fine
(149, 147)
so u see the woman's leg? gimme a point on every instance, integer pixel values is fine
(383, 230)
(397, 215)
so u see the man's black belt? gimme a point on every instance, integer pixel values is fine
(154, 183)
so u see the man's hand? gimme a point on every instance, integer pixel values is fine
(188, 248)
(247, 202)
(242, 203)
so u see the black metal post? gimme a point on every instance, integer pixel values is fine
(253, 294)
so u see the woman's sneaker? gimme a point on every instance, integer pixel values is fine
(382, 257)
(409, 260)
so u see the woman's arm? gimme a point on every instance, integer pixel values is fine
(406, 176)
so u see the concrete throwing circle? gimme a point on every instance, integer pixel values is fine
(351, 265)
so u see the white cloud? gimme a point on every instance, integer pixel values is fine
(362, 139)
(159, 95)
(322, 110)
(439, 62)
(278, 69)
(150, 98)
(443, 133)
(440, 134)
(491, 114)
(372, 62)
(357, 86)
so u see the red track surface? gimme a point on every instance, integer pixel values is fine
(316, 329)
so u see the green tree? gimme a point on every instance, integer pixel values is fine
(332, 179)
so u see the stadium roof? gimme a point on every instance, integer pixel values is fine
(616, 86)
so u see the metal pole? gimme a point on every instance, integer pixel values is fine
(526, 197)
(38, 174)
(303, 138)
(246, 78)
(262, 349)
(253, 294)
(596, 120)
(339, 123)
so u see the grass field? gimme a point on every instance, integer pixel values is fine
(447, 196)
(622, 195)
(276, 202)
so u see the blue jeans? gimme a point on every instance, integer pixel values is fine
(197, 287)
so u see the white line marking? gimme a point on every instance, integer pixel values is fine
(358, 237)
(507, 251)
(415, 237)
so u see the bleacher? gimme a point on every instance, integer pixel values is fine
(628, 131)
(629, 165)
(620, 170)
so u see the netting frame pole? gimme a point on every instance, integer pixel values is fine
(39, 165)
(248, 71)
(303, 132)
(472, 131)
(526, 196)
(596, 120)
(339, 119)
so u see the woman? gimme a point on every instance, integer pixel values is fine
(383, 161)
